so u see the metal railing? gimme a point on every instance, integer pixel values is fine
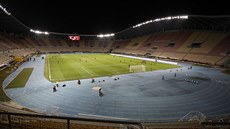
(127, 123)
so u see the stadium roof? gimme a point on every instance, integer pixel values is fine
(111, 17)
(194, 22)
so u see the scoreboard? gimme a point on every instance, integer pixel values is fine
(74, 38)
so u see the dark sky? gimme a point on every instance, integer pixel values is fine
(103, 16)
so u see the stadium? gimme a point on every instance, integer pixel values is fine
(167, 72)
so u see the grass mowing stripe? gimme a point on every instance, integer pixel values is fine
(101, 63)
(46, 69)
(53, 60)
(21, 79)
(49, 68)
(82, 67)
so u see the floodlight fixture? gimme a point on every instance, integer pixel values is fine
(162, 19)
(4, 9)
(105, 35)
(39, 32)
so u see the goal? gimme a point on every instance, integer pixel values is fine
(137, 68)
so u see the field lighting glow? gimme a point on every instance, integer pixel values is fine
(4, 9)
(161, 19)
(39, 32)
(105, 35)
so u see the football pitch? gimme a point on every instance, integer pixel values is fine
(62, 67)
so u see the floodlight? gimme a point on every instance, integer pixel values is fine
(161, 19)
(184, 17)
(105, 35)
(168, 18)
(39, 32)
(4, 9)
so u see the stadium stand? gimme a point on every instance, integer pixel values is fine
(119, 46)
(204, 47)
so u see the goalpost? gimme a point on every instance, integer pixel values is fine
(137, 68)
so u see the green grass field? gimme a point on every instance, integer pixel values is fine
(21, 79)
(3, 74)
(226, 72)
(61, 67)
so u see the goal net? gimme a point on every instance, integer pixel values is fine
(137, 68)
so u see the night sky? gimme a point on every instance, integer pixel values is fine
(105, 16)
